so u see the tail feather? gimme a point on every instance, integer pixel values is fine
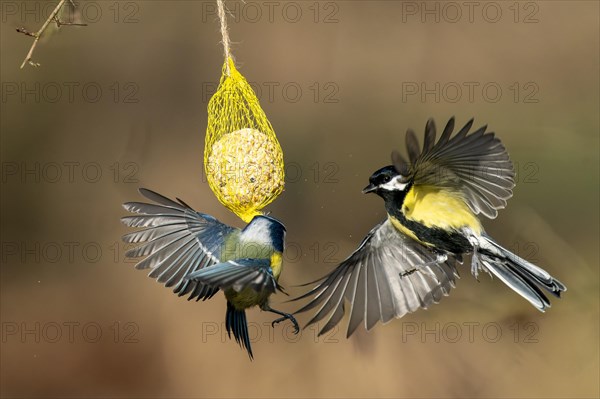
(523, 277)
(235, 322)
(523, 286)
(551, 284)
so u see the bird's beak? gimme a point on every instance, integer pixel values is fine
(370, 188)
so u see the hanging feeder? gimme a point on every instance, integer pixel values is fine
(242, 157)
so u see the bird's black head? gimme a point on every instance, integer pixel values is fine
(387, 181)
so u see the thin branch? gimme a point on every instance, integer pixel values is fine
(60, 23)
(25, 32)
(37, 35)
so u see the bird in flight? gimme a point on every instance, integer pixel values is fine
(432, 202)
(198, 256)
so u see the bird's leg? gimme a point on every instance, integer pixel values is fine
(285, 316)
(476, 264)
(440, 258)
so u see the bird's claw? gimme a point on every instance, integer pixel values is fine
(289, 317)
(408, 272)
(439, 259)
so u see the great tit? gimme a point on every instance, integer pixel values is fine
(198, 255)
(408, 261)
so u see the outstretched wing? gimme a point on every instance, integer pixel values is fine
(388, 276)
(476, 164)
(239, 274)
(177, 241)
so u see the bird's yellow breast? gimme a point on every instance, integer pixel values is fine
(441, 208)
(276, 264)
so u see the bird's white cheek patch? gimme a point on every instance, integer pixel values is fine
(395, 184)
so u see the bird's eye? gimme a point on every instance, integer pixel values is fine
(387, 179)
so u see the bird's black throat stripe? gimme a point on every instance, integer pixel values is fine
(450, 241)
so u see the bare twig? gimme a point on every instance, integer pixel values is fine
(37, 35)
(25, 32)
(60, 23)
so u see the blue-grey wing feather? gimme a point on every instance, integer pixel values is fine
(238, 275)
(175, 241)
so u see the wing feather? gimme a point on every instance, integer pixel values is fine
(476, 164)
(412, 146)
(357, 314)
(238, 274)
(372, 281)
(175, 242)
(374, 299)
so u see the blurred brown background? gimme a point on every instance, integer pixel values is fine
(121, 104)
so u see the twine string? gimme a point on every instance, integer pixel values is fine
(224, 33)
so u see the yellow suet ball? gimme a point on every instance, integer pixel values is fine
(246, 168)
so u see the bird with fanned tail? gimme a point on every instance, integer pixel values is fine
(408, 261)
(197, 255)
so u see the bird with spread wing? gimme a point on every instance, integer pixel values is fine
(432, 201)
(197, 255)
